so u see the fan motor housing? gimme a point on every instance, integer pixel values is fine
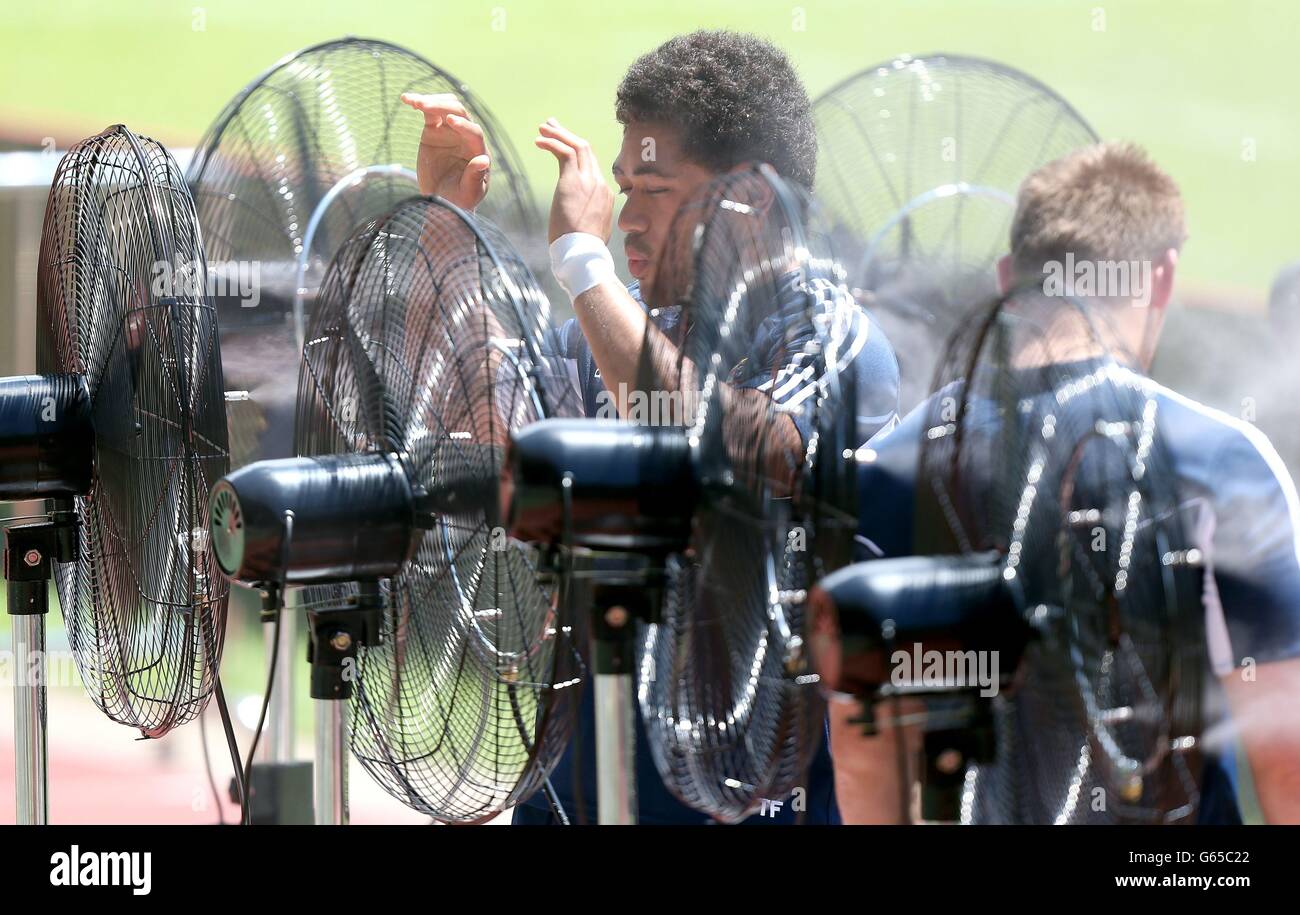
(47, 441)
(314, 520)
(629, 487)
(860, 614)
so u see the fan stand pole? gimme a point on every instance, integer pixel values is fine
(336, 636)
(330, 786)
(615, 751)
(615, 609)
(31, 762)
(29, 552)
(948, 752)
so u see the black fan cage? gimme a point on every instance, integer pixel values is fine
(279, 152)
(756, 365)
(427, 344)
(1043, 445)
(121, 302)
(919, 160)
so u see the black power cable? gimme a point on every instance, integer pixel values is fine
(207, 767)
(240, 786)
(266, 699)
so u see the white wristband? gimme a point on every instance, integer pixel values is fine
(580, 261)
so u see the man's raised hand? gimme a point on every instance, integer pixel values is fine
(583, 201)
(453, 161)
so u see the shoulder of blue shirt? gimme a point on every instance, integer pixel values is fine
(1225, 463)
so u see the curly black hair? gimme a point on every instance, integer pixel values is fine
(735, 97)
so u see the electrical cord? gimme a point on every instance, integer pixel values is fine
(266, 698)
(207, 766)
(240, 786)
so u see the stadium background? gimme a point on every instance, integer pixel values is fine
(1208, 87)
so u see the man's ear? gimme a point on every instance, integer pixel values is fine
(1162, 278)
(1006, 274)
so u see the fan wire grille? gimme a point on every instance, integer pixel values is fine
(1043, 445)
(121, 302)
(426, 344)
(732, 711)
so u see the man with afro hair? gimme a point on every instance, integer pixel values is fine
(691, 109)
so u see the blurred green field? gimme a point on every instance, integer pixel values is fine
(1206, 85)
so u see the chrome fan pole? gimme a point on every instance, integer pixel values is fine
(31, 763)
(337, 635)
(27, 564)
(330, 782)
(619, 599)
(615, 751)
(29, 555)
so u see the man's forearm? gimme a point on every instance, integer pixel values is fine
(870, 789)
(614, 326)
(1265, 719)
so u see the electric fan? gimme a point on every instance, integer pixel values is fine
(716, 494)
(1049, 539)
(919, 161)
(294, 164)
(122, 432)
(425, 351)
(301, 157)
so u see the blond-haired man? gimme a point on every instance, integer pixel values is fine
(1078, 221)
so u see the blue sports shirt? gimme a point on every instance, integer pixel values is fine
(1253, 548)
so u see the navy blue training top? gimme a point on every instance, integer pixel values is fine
(1226, 464)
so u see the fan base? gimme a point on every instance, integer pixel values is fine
(279, 794)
